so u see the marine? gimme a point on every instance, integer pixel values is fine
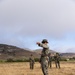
(31, 59)
(57, 60)
(44, 56)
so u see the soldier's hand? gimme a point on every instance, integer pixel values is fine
(38, 43)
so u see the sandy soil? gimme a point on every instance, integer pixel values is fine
(67, 68)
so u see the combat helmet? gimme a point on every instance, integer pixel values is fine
(44, 40)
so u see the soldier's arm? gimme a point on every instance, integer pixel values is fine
(59, 57)
(29, 59)
(33, 60)
(43, 45)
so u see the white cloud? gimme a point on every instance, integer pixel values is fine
(32, 18)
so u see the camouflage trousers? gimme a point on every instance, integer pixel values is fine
(31, 65)
(50, 64)
(57, 63)
(44, 66)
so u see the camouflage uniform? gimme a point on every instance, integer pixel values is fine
(44, 58)
(31, 59)
(50, 61)
(57, 60)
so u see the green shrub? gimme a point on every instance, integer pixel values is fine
(36, 59)
(10, 60)
(1, 61)
(21, 60)
(63, 59)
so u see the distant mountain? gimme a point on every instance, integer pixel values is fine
(67, 55)
(38, 51)
(71, 50)
(7, 51)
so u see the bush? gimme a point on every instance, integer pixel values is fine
(26, 60)
(63, 59)
(21, 60)
(36, 59)
(18, 60)
(1, 61)
(10, 60)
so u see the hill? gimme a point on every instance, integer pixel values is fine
(7, 51)
(67, 55)
(38, 51)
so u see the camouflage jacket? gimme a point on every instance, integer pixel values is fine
(31, 59)
(45, 51)
(57, 57)
(50, 58)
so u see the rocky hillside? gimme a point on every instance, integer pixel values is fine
(38, 51)
(65, 55)
(68, 55)
(7, 51)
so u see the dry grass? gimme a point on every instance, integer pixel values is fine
(23, 69)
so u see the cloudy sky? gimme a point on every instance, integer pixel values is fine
(24, 22)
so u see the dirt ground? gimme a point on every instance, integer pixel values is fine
(67, 68)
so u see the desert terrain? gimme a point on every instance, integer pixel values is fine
(22, 68)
